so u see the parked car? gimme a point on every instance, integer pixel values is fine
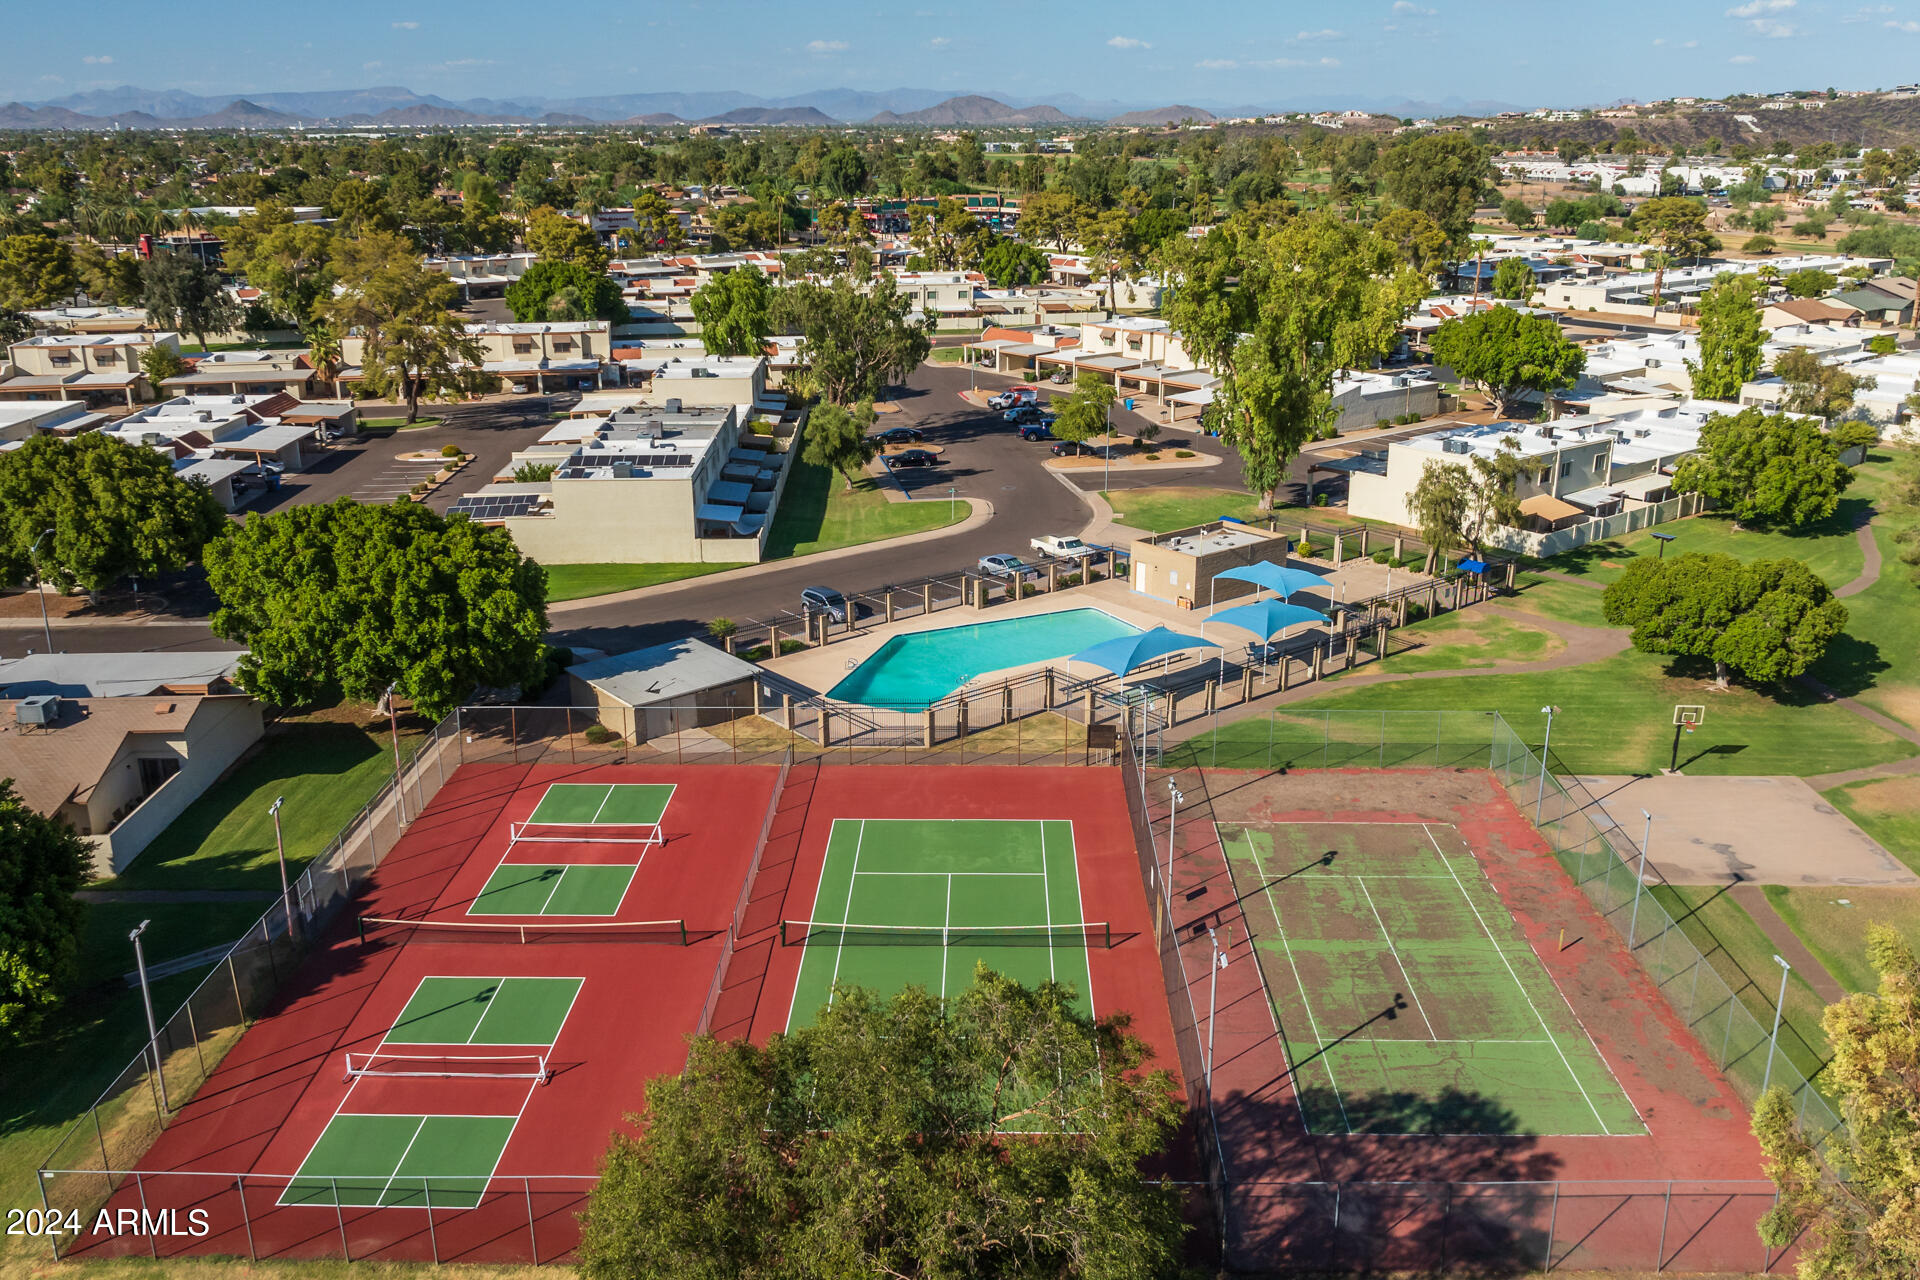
(1006, 566)
(817, 600)
(914, 458)
(899, 435)
(1024, 413)
(1037, 431)
(1014, 396)
(1074, 449)
(1065, 547)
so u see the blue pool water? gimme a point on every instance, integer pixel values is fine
(915, 671)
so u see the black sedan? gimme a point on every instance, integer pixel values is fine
(914, 458)
(900, 435)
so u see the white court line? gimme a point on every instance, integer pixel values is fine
(572, 999)
(1388, 935)
(1473, 907)
(951, 874)
(396, 1166)
(1266, 889)
(945, 930)
(833, 984)
(547, 901)
(602, 806)
(1046, 896)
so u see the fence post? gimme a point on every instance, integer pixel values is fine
(106, 1165)
(153, 1241)
(340, 1217)
(1660, 1254)
(433, 1237)
(533, 1235)
(570, 756)
(513, 733)
(246, 1219)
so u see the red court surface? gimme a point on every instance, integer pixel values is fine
(260, 1113)
(1126, 977)
(1690, 1190)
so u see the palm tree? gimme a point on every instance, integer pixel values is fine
(1659, 260)
(323, 353)
(1480, 248)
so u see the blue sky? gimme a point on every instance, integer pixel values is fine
(1225, 51)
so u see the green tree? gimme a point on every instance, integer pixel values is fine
(1051, 217)
(1760, 244)
(1104, 238)
(35, 271)
(115, 509)
(855, 339)
(837, 438)
(1768, 620)
(424, 352)
(843, 172)
(1809, 283)
(346, 598)
(185, 295)
(1513, 356)
(1678, 224)
(1776, 469)
(15, 326)
(1453, 505)
(1813, 386)
(1517, 212)
(1421, 241)
(733, 309)
(43, 861)
(1010, 264)
(593, 293)
(1275, 311)
(1082, 414)
(1853, 1208)
(161, 363)
(293, 265)
(996, 1133)
(558, 238)
(1730, 339)
(1443, 175)
(1513, 280)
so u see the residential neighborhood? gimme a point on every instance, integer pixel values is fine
(1283, 646)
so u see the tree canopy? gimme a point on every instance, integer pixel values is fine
(574, 289)
(855, 339)
(999, 1132)
(1513, 356)
(1816, 387)
(1513, 280)
(116, 510)
(186, 295)
(1865, 1221)
(733, 309)
(1442, 175)
(1768, 620)
(1082, 415)
(1775, 469)
(35, 271)
(836, 437)
(1010, 264)
(351, 596)
(1730, 339)
(1454, 505)
(1809, 282)
(42, 862)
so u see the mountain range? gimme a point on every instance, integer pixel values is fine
(131, 107)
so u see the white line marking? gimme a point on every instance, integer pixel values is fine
(945, 930)
(1259, 970)
(1472, 906)
(1395, 951)
(1266, 889)
(950, 874)
(396, 1166)
(602, 805)
(846, 916)
(1046, 896)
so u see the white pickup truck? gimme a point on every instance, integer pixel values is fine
(1068, 548)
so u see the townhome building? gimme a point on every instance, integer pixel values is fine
(97, 368)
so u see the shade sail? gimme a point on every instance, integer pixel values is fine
(1276, 578)
(1268, 618)
(1123, 653)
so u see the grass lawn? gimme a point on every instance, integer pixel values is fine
(1888, 809)
(1552, 598)
(948, 355)
(818, 514)
(1832, 920)
(398, 424)
(1617, 717)
(326, 764)
(1164, 508)
(1828, 548)
(1471, 638)
(1877, 660)
(573, 581)
(1708, 913)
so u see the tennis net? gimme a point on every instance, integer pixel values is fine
(832, 933)
(640, 833)
(518, 1066)
(384, 929)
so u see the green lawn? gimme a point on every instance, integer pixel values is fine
(1708, 913)
(326, 766)
(1465, 639)
(398, 424)
(818, 514)
(1832, 920)
(573, 581)
(1164, 508)
(1552, 598)
(948, 355)
(1617, 717)
(1888, 809)
(1877, 660)
(1828, 548)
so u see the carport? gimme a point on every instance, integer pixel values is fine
(278, 442)
(218, 474)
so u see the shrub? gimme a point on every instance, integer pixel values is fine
(1382, 423)
(450, 451)
(721, 628)
(1304, 550)
(792, 646)
(1069, 580)
(1153, 457)
(1415, 612)
(1319, 499)
(1183, 453)
(421, 487)
(1408, 419)
(599, 733)
(1381, 557)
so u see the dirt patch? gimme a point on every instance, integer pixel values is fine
(26, 604)
(1900, 701)
(1889, 796)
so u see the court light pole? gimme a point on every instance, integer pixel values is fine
(1175, 795)
(146, 998)
(399, 786)
(40, 586)
(1213, 983)
(1639, 879)
(1546, 744)
(1780, 1002)
(280, 849)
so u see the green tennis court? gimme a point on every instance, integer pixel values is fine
(603, 803)
(485, 1011)
(912, 901)
(1405, 993)
(553, 889)
(414, 1162)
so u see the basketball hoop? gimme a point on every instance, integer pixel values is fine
(1686, 718)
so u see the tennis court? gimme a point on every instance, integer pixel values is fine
(605, 828)
(1406, 996)
(906, 901)
(430, 1111)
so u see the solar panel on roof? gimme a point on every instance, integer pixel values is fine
(495, 506)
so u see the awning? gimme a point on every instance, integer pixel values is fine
(719, 512)
(1275, 578)
(1548, 507)
(1268, 618)
(1124, 653)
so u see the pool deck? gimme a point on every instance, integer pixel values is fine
(820, 669)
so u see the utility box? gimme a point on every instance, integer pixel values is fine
(42, 709)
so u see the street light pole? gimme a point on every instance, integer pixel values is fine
(280, 848)
(1639, 879)
(1780, 1002)
(1173, 794)
(399, 785)
(40, 585)
(1545, 745)
(146, 998)
(1213, 983)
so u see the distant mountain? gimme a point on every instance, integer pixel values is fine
(1162, 115)
(423, 115)
(238, 114)
(18, 115)
(974, 109)
(654, 119)
(772, 115)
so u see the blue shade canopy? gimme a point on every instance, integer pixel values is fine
(1123, 653)
(1268, 618)
(1473, 566)
(1276, 578)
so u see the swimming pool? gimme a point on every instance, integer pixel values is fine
(914, 671)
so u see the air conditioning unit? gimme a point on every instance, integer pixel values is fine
(41, 709)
